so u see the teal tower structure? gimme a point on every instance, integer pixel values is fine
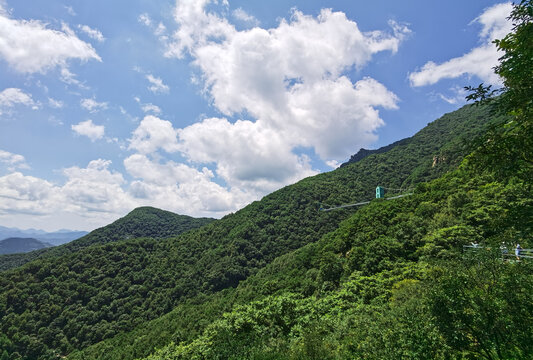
(380, 192)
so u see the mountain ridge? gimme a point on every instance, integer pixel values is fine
(144, 221)
(142, 279)
(14, 245)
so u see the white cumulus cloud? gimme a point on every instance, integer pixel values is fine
(29, 46)
(89, 129)
(96, 188)
(291, 78)
(479, 61)
(12, 96)
(145, 19)
(297, 86)
(22, 194)
(181, 188)
(153, 134)
(13, 161)
(89, 197)
(247, 154)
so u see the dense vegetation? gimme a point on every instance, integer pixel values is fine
(391, 282)
(189, 318)
(394, 265)
(363, 153)
(10, 261)
(281, 280)
(142, 222)
(69, 299)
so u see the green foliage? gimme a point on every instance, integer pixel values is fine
(388, 282)
(12, 261)
(222, 254)
(508, 146)
(377, 287)
(481, 306)
(516, 64)
(142, 222)
(104, 285)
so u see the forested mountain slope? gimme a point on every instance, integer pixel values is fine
(103, 290)
(142, 222)
(379, 269)
(391, 282)
(57, 304)
(363, 153)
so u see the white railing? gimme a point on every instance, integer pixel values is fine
(506, 253)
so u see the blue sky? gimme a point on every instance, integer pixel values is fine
(200, 107)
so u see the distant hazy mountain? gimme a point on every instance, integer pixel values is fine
(54, 238)
(15, 245)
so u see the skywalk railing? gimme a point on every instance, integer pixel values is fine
(506, 252)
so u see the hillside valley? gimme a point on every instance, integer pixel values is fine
(417, 250)
(111, 281)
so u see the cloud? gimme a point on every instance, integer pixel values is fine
(12, 96)
(94, 192)
(89, 197)
(27, 195)
(243, 16)
(95, 195)
(29, 46)
(333, 164)
(157, 85)
(294, 84)
(248, 158)
(56, 104)
(151, 108)
(92, 33)
(479, 61)
(456, 95)
(69, 78)
(145, 19)
(87, 128)
(148, 107)
(291, 78)
(247, 155)
(160, 30)
(70, 10)
(13, 161)
(153, 134)
(180, 187)
(92, 105)
(96, 188)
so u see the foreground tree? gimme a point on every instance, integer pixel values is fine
(508, 147)
(482, 306)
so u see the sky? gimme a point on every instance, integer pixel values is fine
(202, 106)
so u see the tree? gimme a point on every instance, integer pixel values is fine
(508, 147)
(482, 306)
